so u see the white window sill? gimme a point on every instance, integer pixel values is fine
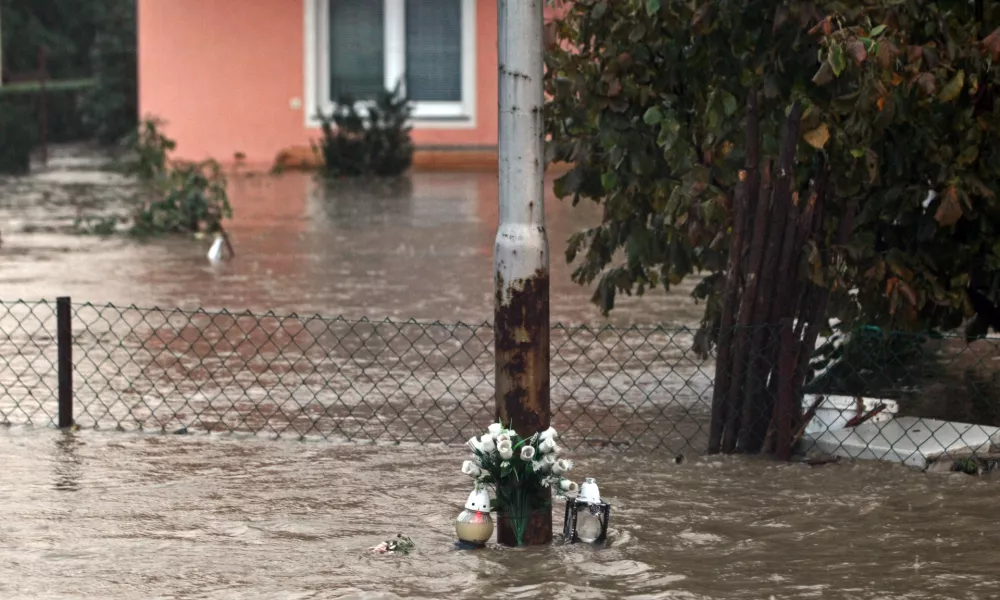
(457, 122)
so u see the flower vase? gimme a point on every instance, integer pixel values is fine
(537, 531)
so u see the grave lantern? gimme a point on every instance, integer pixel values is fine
(474, 525)
(586, 515)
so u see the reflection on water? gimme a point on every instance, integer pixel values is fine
(418, 248)
(66, 466)
(195, 517)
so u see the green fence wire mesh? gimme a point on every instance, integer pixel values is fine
(299, 377)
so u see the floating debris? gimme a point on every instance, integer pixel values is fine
(400, 545)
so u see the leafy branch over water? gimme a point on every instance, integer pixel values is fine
(173, 196)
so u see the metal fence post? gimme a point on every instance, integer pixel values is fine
(64, 342)
(521, 259)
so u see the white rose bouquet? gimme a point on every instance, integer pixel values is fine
(520, 470)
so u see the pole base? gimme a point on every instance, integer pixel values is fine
(537, 533)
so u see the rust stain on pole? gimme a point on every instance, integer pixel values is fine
(522, 352)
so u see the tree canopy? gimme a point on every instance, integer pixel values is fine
(896, 121)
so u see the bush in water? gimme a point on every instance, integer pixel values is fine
(174, 196)
(369, 140)
(17, 138)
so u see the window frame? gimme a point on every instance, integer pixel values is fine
(427, 114)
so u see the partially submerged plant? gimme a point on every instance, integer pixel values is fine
(400, 545)
(520, 470)
(369, 138)
(188, 198)
(173, 196)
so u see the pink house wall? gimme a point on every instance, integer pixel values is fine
(223, 75)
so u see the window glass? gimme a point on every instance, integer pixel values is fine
(357, 48)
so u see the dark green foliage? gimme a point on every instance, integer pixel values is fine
(17, 138)
(173, 196)
(62, 108)
(95, 39)
(870, 362)
(373, 140)
(900, 98)
(186, 198)
(65, 27)
(147, 151)
(788, 148)
(111, 108)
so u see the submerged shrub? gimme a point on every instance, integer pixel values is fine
(146, 151)
(186, 198)
(174, 196)
(371, 138)
(17, 138)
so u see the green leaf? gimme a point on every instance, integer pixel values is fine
(877, 31)
(599, 9)
(669, 133)
(951, 91)
(653, 116)
(652, 7)
(730, 105)
(968, 156)
(838, 61)
(857, 152)
(609, 180)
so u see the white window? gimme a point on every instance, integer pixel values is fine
(357, 48)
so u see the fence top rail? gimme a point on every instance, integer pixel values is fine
(595, 328)
(570, 328)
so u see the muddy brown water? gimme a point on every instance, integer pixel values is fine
(121, 515)
(104, 515)
(421, 251)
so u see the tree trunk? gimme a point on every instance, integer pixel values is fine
(770, 317)
(749, 182)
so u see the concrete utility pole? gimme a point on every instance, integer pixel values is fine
(521, 259)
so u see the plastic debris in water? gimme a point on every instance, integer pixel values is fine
(220, 248)
(400, 545)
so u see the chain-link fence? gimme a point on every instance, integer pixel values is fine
(868, 395)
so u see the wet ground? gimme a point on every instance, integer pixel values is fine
(421, 251)
(91, 515)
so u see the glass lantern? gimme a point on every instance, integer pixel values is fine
(474, 525)
(587, 516)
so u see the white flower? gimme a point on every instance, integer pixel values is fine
(561, 466)
(470, 469)
(511, 434)
(527, 453)
(505, 449)
(505, 464)
(539, 466)
(487, 444)
(503, 437)
(568, 486)
(550, 460)
(475, 445)
(548, 434)
(548, 446)
(495, 429)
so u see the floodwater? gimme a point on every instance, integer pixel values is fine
(423, 251)
(92, 515)
(120, 515)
